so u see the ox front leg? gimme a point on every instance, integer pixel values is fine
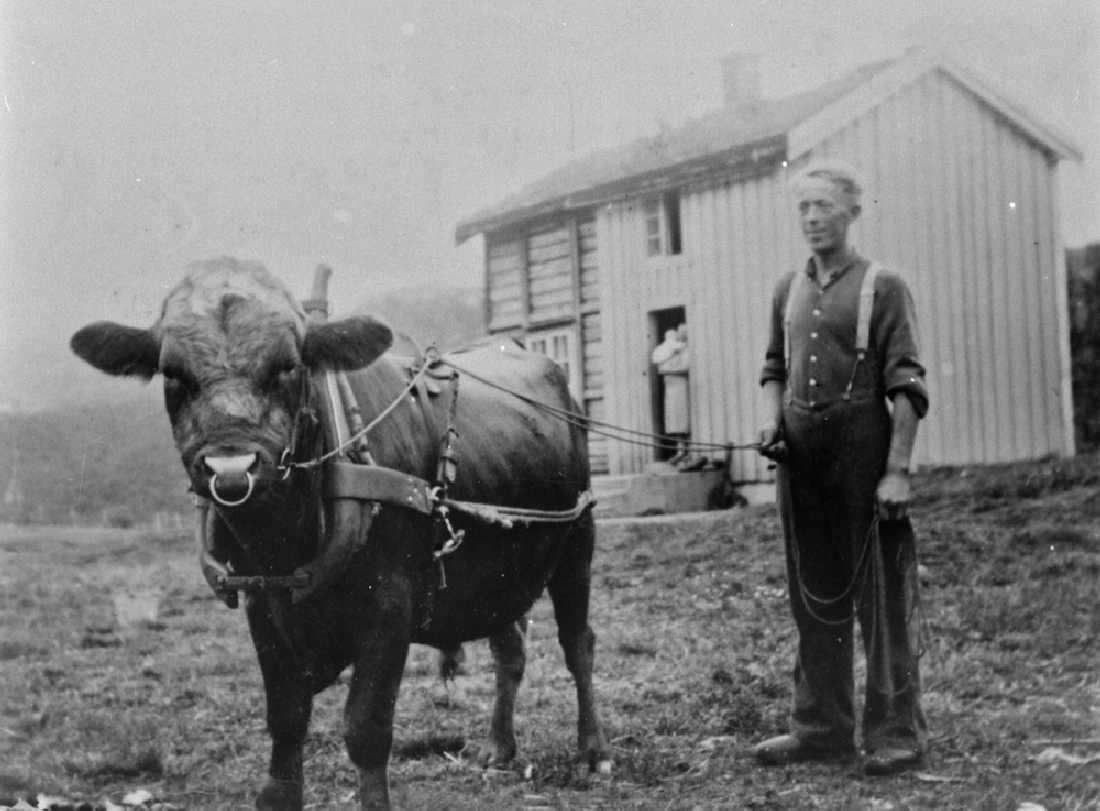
(569, 590)
(510, 660)
(368, 715)
(289, 704)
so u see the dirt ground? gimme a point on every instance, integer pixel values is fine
(119, 672)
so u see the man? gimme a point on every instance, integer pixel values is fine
(843, 484)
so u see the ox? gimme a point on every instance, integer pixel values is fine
(240, 361)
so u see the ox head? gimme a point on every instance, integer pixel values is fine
(235, 352)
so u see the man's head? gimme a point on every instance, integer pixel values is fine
(827, 194)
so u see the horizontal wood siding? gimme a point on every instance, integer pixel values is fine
(592, 354)
(550, 268)
(547, 279)
(504, 264)
(590, 263)
(962, 205)
(597, 444)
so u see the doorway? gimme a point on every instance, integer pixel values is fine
(660, 322)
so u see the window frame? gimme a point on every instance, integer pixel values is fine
(663, 224)
(571, 363)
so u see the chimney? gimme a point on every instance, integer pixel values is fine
(741, 79)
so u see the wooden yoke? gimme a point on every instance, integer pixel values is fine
(344, 521)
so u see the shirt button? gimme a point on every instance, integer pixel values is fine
(817, 312)
(813, 335)
(813, 358)
(813, 381)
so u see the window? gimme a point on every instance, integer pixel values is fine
(662, 224)
(558, 345)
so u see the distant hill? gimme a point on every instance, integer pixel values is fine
(449, 317)
(92, 464)
(106, 455)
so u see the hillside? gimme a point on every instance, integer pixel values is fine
(106, 462)
(446, 316)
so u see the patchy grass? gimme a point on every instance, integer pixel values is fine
(693, 659)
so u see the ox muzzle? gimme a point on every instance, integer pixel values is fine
(231, 476)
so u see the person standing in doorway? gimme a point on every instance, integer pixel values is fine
(673, 360)
(845, 392)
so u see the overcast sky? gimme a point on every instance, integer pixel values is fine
(137, 136)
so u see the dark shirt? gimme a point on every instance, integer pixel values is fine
(823, 336)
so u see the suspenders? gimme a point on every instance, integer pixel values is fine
(863, 320)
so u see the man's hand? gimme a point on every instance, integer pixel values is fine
(893, 495)
(770, 443)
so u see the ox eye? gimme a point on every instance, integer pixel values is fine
(283, 375)
(177, 380)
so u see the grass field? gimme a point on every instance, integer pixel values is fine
(119, 671)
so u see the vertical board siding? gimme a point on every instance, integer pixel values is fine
(940, 184)
(955, 369)
(1030, 247)
(701, 318)
(942, 172)
(737, 243)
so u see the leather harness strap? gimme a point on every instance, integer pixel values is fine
(375, 483)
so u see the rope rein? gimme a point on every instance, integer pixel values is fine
(501, 515)
(611, 430)
(358, 435)
(574, 418)
(859, 578)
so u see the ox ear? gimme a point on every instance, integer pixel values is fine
(345, 345)
(118, 350)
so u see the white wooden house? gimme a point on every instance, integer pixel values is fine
(593, 262)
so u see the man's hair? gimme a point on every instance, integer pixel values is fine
(841, 174)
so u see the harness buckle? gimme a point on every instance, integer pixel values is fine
(455, 537)
(451, 542)
(285, 465)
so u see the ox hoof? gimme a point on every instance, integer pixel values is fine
(584, 768)
(280, 795)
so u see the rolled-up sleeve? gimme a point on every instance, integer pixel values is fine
(897, 341)
(775, 361)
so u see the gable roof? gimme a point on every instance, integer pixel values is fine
(742, 141)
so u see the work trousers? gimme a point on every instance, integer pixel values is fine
(842, 564)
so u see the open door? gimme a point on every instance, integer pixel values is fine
(660, 322)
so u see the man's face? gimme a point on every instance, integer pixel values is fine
(824, 213)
